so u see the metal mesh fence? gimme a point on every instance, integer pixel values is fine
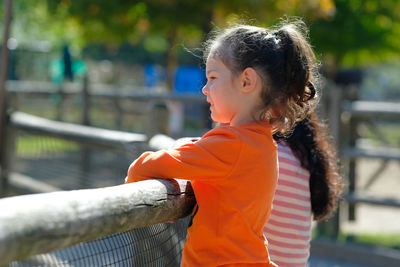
(70, 165)
(156, 245)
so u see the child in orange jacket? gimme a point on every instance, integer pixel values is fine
(259, 82)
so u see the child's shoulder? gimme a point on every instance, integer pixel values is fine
(221, 132)
(221, 137)
(237, 132)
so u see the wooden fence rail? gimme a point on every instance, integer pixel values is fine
(88, 92)
(34, 224)
(75, 132)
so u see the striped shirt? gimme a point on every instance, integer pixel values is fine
(289, 228)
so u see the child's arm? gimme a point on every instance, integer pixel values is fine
(210, 158)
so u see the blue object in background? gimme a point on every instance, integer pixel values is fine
(150, 75)
(189, 79)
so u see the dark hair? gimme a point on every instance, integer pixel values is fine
(282, 58)
(312, 145)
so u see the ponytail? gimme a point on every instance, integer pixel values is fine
(311, 144)
(300, 72)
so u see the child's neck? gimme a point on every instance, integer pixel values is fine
(242, 120)
(245, 117)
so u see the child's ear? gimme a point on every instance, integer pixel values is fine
(249, 80)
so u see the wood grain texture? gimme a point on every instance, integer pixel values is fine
(34, 224)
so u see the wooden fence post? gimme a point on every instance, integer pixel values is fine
(85, 101)
(9, 151)
(157, 118)
(119, 110)
(352, 166)
(85, 152)
(3, 95)
(60, 102)
(335, 111)
(331, 227)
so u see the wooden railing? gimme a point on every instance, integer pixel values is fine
(40, 223)
(90, 92)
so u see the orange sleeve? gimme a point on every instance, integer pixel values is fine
(210, 158)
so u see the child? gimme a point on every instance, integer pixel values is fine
(258, 82)
(309, 187)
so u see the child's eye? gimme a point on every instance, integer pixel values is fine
(212, 78)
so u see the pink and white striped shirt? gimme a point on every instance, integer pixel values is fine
(288, 229)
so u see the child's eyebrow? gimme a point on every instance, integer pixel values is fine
(211, 70)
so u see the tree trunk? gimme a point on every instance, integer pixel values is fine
(332, 64)
(172, 59)
(3, 92)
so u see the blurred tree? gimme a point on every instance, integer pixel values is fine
(179, 21)
(343, 32)
(33, 24)
(269, 12)
(162, 25)
(358, 32)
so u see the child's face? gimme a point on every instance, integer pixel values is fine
(222, 91)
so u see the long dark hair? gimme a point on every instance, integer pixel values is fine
(312, 145)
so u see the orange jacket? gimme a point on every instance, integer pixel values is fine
(234, 173)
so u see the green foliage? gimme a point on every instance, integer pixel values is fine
(31, 23)
(155, 43)
(349, 32)
(387, 240)
(391, 240)
(115, 22)
(359, 31)
(32, 145)
(100, 21)
(390, 131)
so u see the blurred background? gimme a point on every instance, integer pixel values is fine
(148, 46)
(136, 66)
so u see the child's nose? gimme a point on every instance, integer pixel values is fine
(204, 90)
